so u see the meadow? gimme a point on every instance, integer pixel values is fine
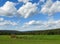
(30, 39)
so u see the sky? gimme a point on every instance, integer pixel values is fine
(29, 15)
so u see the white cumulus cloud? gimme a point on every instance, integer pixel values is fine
(46, 8)
(55, 7)
(51, 7)
(8, 9)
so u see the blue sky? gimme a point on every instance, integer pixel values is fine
(22, 18)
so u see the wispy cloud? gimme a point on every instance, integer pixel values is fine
(40, 25)
(4, 22)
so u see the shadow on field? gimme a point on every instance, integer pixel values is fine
(21, 37)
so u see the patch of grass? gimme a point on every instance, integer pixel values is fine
(30, 39)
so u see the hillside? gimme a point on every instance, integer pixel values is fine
(39, 32)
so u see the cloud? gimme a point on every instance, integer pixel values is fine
(55, 7)
(40, 25)
(51, 7)
(29, 23)
(8, 9)
(27, 9)
(1, 19)
(42, 0)
(45, 9)
(24, 1)
(33, 23)
(4, 22)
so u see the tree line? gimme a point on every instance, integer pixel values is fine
(40, 32)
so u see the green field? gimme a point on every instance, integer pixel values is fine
(30, 39)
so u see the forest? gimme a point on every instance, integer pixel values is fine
(38, 32)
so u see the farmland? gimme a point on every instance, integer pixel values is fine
(30, 39)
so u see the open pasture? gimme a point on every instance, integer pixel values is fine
(30, 39)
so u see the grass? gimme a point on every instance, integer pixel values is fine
(30, 39)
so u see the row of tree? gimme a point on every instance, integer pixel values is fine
(44, 32)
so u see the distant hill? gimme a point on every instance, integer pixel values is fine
(8, 32)
(38, 32)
